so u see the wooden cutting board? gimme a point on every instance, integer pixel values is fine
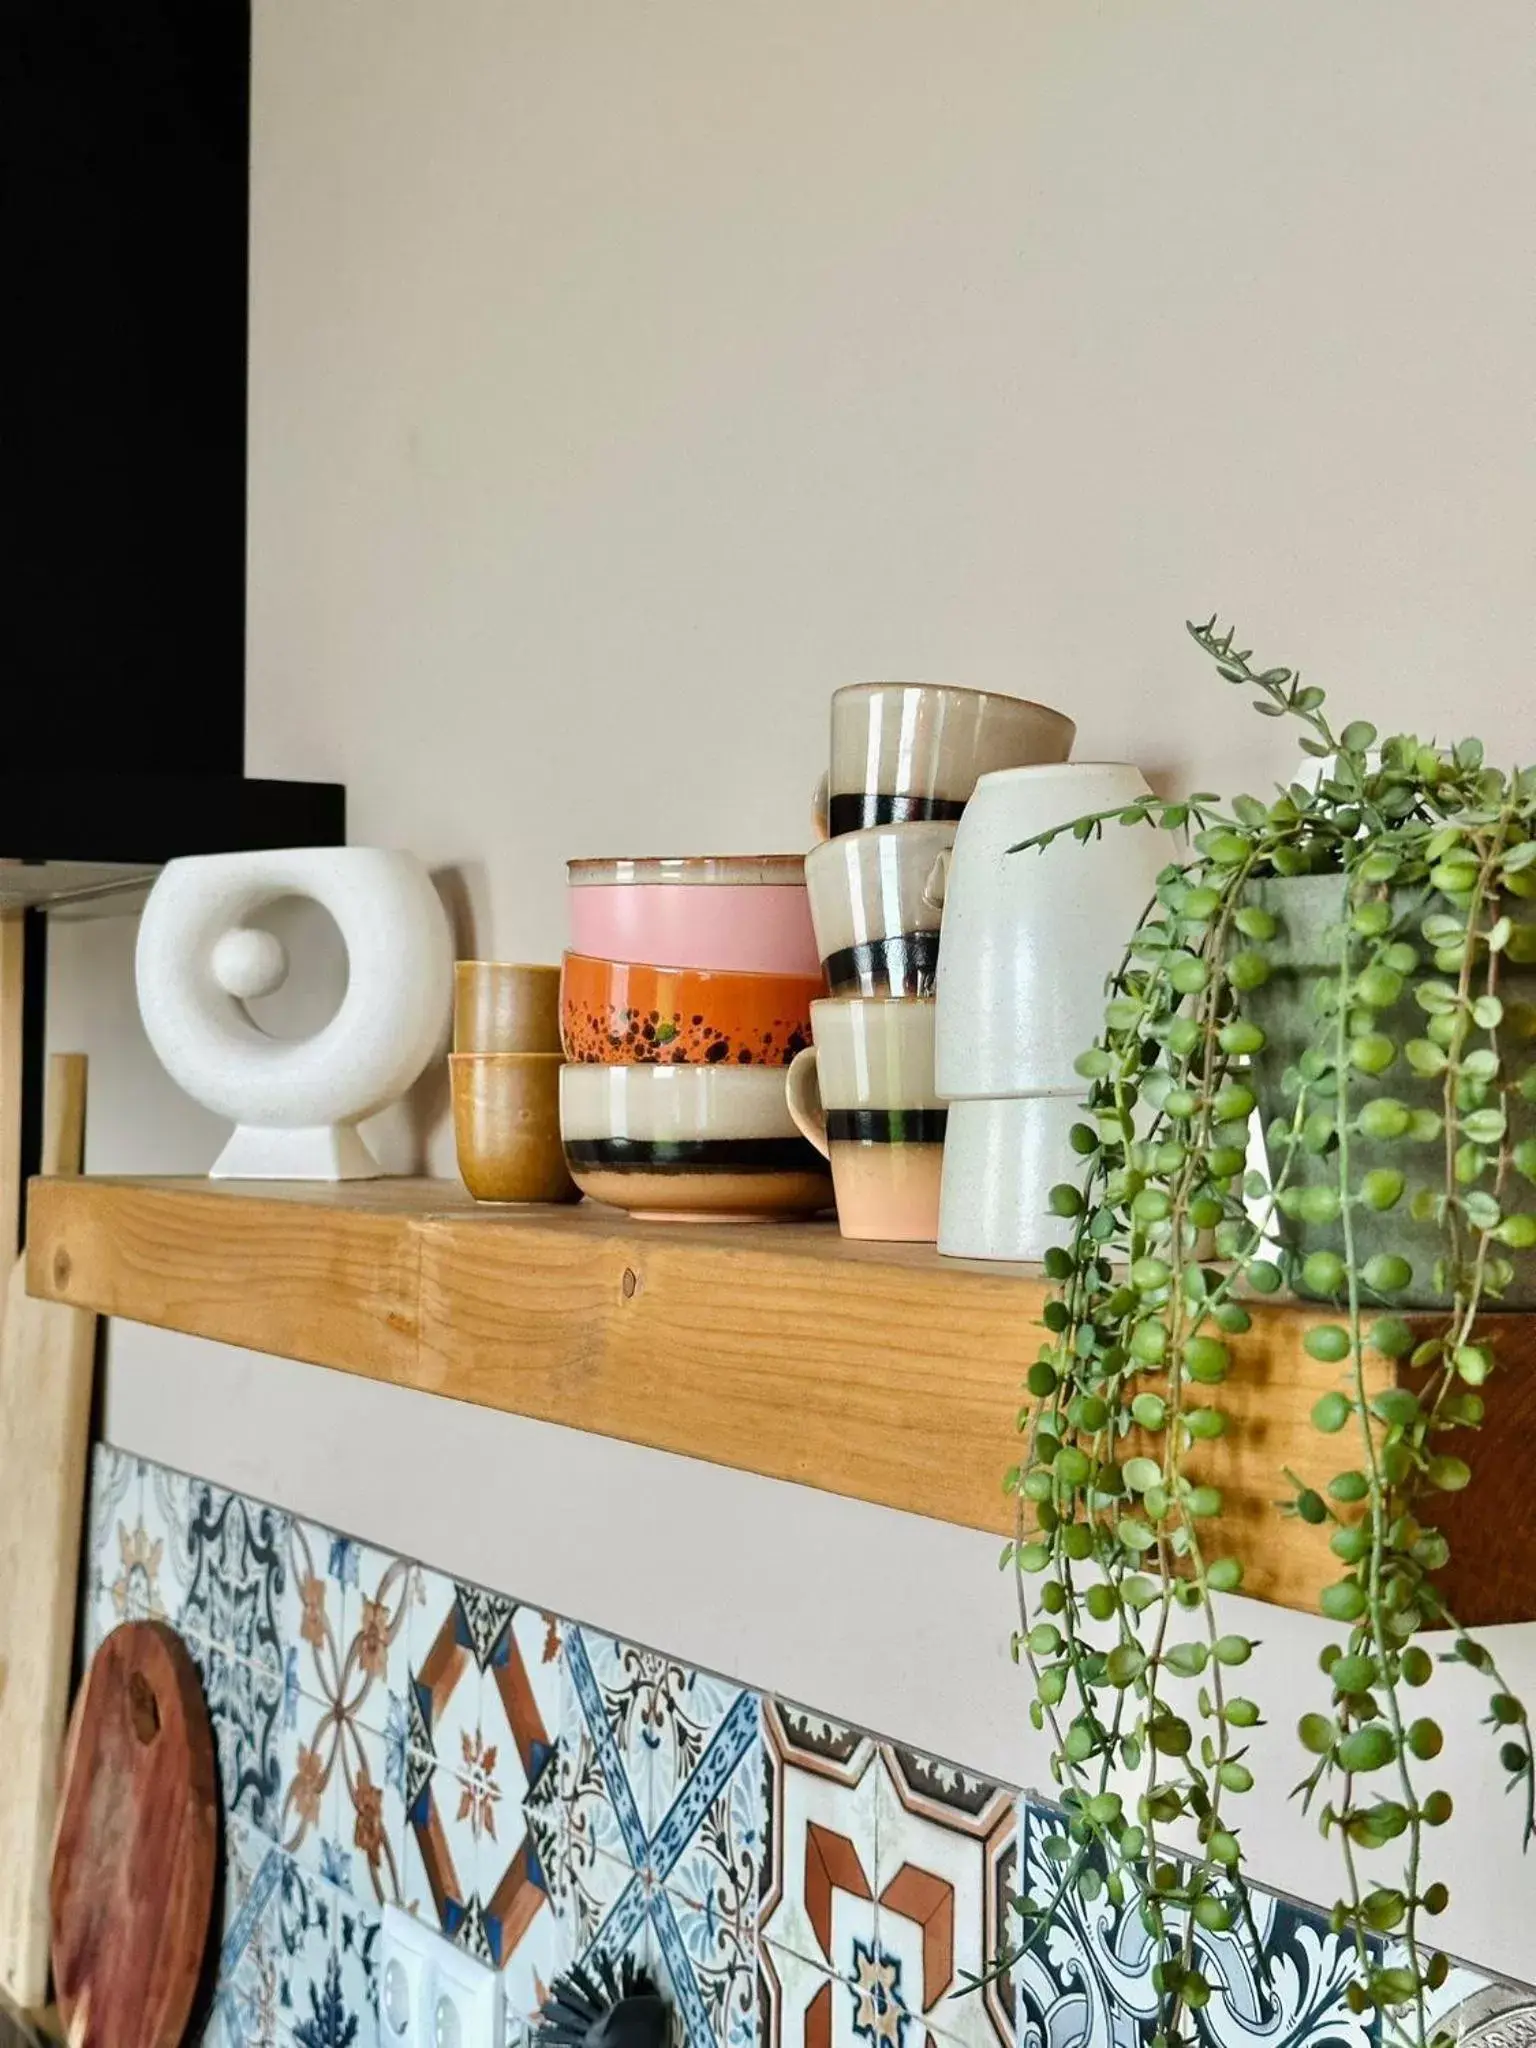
(47, 1356)
(133, 1864)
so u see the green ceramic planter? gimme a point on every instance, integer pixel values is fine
(1309, 910)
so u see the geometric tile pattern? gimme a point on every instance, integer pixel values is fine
(550, 1794)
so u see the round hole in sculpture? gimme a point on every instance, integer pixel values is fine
(204, 955)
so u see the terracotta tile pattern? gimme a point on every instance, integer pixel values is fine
(548, 1794)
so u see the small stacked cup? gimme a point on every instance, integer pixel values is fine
(1030, 940)
(686, 994)
(504, 1072)
(905, 759)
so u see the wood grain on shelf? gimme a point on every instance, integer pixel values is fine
(877, 1371)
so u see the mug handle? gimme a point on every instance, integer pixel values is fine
(937, 885)
(821, 805)
(802, 1092)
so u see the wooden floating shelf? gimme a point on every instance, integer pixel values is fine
(881, 1372)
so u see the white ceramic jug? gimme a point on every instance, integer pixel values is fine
(1029, 939)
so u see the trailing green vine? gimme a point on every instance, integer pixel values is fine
(1400, 1142)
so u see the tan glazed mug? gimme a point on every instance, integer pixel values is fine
(506, 1124)
(505, 1006)
(863, 1094)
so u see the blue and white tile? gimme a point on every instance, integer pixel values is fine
(1087, 1981)
(235, 1552)
(245, 1709)
(247, 1999)
(305, 1921)
(663, 1764)
(358, 1935)
(707, 1958)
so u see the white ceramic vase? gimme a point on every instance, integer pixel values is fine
(1029, 939)
(295, 1102)
(1001, 1160)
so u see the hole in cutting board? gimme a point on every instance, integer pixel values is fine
(143, 1708)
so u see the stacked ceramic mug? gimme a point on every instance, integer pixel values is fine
(686, 993)
(1030, 941)
(905, 759)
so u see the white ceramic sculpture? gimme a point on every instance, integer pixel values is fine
(295, 1103)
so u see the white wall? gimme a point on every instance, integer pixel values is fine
(625, 378)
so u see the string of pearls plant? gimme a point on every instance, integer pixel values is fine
(1406, 1100)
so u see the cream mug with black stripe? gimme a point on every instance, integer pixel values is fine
(863, 1095)
(876, 901)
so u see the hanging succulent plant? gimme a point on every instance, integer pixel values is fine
(1355, 961)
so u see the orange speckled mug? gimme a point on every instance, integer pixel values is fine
(622, 1013)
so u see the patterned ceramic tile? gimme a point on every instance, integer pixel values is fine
(820, 1803)
(439, 1866)
(370, 1825)
(237, 1572)
(296, 1956)
(453, 1632)
(1087, 1983)
(946, 1849)
(358, 1932)
(383, 1594)
(307, 1816)
(245, 1708)
(246, 1998)
(708, 1963)
(662, 1770)
(310, 1609)
(803, 2006)
(121, 1569)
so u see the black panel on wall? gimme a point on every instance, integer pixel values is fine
(126, 131)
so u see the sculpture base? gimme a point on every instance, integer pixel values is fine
(325, 1152)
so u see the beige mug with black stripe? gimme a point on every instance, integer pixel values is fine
(863, 1095)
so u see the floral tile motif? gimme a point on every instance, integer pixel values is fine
(370, 1823)
(382, 1594)
(358, 1933)
(296, 1957)
(122, 1565)
(1087, 1983)
(820, 1802)
(245, 1709)
(946, 1852)
(307, 1816)
(310, 1621)
(708, 1968)
(246, 1999)
(237, 1572)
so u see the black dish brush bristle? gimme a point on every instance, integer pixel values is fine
(598, 2006)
